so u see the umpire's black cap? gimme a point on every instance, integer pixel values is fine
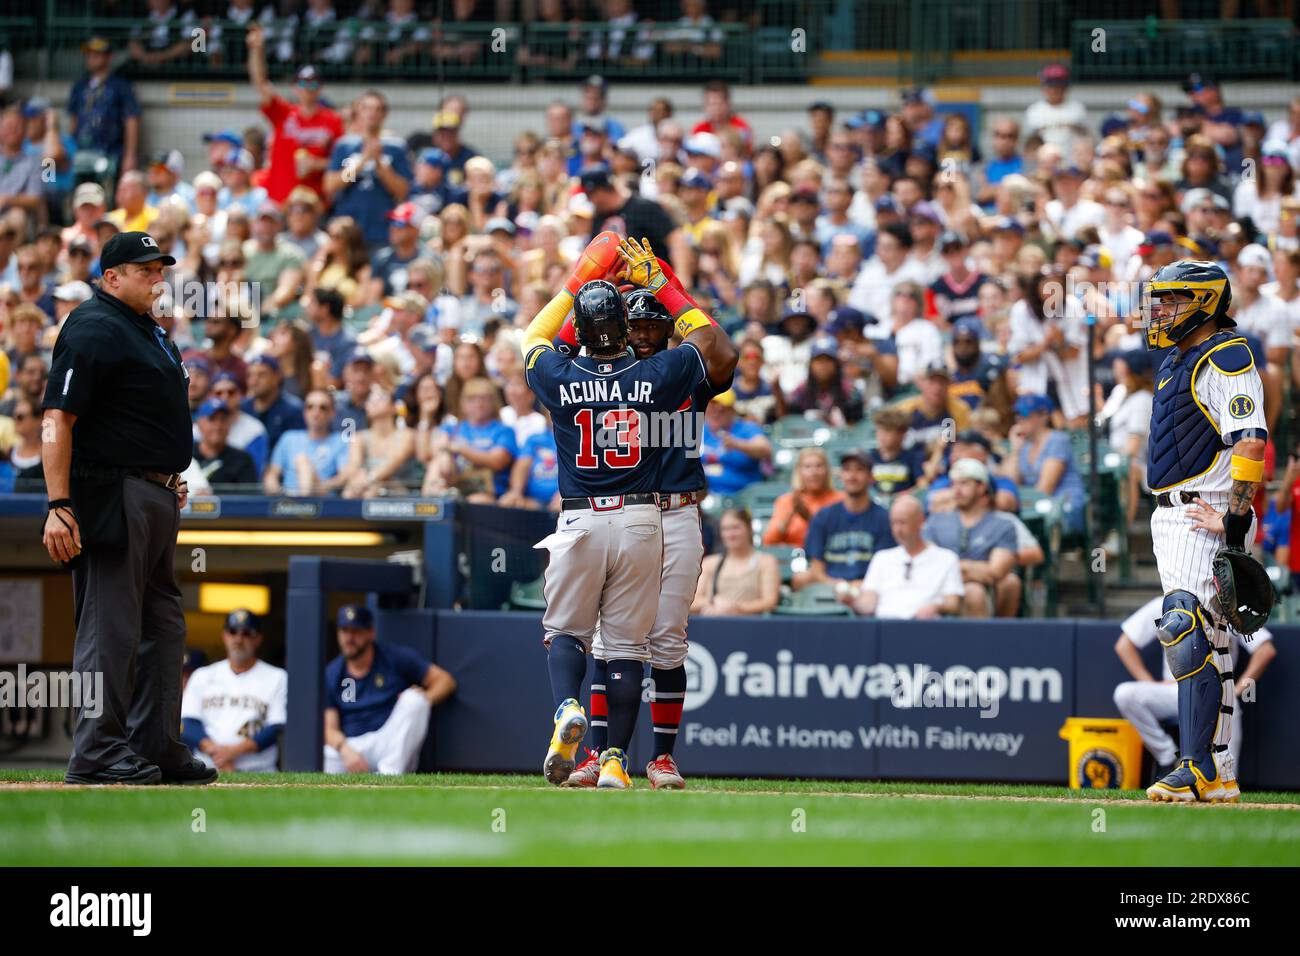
(132, 247)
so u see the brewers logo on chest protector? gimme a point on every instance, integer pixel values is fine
(1205, 398)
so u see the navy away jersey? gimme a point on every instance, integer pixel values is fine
(611, 416)
(682, 469)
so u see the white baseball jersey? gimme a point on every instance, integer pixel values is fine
(1234, 403)
(237, 706)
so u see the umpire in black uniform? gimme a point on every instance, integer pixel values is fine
(116, 435)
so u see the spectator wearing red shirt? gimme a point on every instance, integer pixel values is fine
(719, 117)
(304, 132)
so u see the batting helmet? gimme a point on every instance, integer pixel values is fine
(642, 304)
(1197, 292)
(600, 317)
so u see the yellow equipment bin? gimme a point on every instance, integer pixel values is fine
(1105, 753)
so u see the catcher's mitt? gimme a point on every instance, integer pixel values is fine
(1243, 591)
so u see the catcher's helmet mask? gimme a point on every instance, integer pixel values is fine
(1180, 298)
(600, 319)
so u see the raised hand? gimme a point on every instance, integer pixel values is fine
(640, 267)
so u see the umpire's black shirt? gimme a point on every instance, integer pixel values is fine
(124, 381)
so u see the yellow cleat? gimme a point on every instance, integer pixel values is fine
(1186, 784)
(570, 728)
(613, 771)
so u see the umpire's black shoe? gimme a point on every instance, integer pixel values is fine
(193, 772)
(132, 770)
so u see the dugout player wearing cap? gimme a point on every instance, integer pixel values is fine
(1208, 399)
(232, 711)
(116, 437)
(607, 550)
(650, 327)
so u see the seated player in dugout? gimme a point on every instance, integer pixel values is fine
(597, 573)
(378, 698)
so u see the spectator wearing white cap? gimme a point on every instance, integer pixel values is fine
(915, 580)
(237, 190)
(87, 209)
(1264, 316)
(164, 177)
(67, 297)
(984, 541)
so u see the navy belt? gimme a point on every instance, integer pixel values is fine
(1170, 498)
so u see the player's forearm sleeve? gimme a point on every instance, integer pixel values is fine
(546, 324)
(676, 283)
(267, 736)
(568, 334)
(192, 732)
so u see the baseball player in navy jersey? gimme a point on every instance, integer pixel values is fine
(682, 479)
(606, 555)
(1205, 461)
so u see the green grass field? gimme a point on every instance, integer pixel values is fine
(252, 819)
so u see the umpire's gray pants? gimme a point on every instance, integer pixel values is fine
(131, 628)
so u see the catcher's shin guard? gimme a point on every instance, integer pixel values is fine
(1201, 662)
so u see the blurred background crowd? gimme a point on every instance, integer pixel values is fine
(908, 292)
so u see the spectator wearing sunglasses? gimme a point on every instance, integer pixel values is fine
(309, 461)
(916, 580)
(232, 711)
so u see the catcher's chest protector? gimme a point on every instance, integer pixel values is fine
(1184, 440)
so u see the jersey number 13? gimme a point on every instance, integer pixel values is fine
(623, 423)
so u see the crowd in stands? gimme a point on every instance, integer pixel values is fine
(911, 306)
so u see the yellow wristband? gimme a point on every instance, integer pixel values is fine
(1247, 469)
(690, 320)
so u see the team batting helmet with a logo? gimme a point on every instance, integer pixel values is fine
(1187, 294)
(642, 304)
(600, 317)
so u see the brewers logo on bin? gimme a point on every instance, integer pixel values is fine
(1105, 754)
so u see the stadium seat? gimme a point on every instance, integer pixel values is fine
(526, 596)
(795, 431)
(816, 600)
(787, 557)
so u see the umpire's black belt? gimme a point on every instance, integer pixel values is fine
(609, 502)
(1172, 498)
(171, 482)
(99, 471)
